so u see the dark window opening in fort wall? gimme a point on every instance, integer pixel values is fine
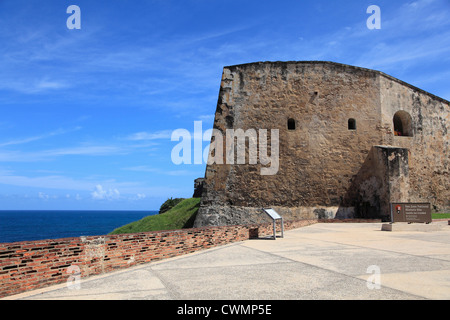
(351, 124)
(291, 124)
(403, 124)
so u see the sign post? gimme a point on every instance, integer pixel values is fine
(411, 212)
(275, 216)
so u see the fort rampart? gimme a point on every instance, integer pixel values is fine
(350, 141)
(31, 265)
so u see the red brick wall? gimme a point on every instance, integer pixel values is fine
(35, 264)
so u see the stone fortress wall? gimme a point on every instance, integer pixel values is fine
(340, 155)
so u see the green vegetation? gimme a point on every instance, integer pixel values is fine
(180, 216)
(169, 204)
(440, 215)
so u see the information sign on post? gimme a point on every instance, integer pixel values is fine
(275, 216)
(411, 212)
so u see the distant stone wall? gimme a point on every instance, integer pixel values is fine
(31, 265)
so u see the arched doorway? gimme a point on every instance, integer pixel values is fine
(403, 124)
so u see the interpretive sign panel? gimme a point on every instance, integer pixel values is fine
(275, 216)
(411, 212)
(272, 213)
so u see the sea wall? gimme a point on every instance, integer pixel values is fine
(31, 265)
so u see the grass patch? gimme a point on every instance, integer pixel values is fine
(179, 217)
(440, 215)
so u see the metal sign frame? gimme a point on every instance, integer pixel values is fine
(275, 216)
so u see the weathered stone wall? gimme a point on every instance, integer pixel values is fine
(429, 150)
(324, 169)
(382, 179)
(317, 160)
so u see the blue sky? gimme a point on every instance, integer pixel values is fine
(87, 115)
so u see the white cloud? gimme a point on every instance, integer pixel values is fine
(20, 156)
(142, 169)
(84, 150)
(39, 137)
(206, 117)
(88, 184)
(163, 134)
(27, 86)
(50, 182)
(43, 196)
(161, 171)
(138, 196)
(46, 84)
(100, 194)
(388, 56)
(46, 197)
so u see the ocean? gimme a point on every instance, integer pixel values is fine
(30, 225)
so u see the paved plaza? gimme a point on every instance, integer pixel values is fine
(321, 261)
